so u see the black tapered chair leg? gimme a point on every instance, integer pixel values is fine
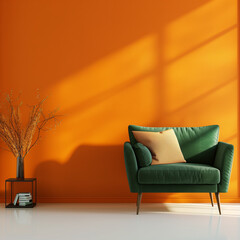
(218, 202)
(210, 194)
(139, 198)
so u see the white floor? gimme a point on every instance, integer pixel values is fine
(119, 221)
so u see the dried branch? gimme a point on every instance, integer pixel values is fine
(17, 137)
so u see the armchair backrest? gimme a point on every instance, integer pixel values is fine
(198, 144)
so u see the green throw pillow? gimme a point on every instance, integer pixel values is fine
(144, 156)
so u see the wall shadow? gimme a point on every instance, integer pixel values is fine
(88, 171)
(45, 44)
(91, 174)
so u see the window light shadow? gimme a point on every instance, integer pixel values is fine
(68, 53)
(205, 42)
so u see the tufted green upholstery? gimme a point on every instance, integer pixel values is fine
(179, 173)
(198, 144)
(131, 167)
(208, 166)
(143, 155)
(223, 161)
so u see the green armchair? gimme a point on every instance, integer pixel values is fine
(207, 168)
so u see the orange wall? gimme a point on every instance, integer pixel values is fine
(108, 64)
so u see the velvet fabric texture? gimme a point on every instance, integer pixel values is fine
(179, 173)
(200, 146)
(144, 156)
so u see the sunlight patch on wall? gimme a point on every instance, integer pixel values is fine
(192, 29)
(218, 107)
(104, 98)
(202, 71)
(120, 67)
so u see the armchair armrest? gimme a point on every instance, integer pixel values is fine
(131, 167)
(223, 161)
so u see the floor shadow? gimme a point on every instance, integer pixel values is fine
(99, 208)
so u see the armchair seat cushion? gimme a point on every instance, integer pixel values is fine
(179, 173)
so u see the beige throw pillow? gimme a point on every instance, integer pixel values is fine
(163, 146)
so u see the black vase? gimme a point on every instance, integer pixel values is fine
(20, 167)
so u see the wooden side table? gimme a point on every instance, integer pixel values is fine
(25, 180)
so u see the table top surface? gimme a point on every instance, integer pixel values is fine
(20, 180)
